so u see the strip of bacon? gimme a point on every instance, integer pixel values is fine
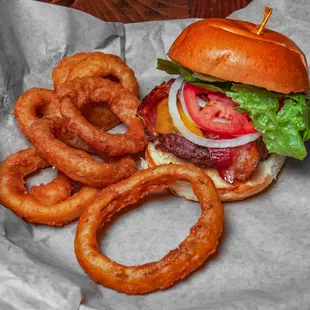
(236, 163)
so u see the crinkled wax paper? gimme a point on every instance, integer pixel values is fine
(263, 257)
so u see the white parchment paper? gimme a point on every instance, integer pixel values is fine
(263, 257)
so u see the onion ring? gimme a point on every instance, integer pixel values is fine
(58, 190)
(13, 193)
(44, 101)
(73, 95)
(101, 65)
(94, 64)
(177, 264)
(77, 164)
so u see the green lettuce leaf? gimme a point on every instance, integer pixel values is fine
(172, 67)
(168, 66)
(283, 131)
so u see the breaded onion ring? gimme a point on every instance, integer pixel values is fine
(77, 164)
(73, 95)
(13, 194)
(58, 190)
(100, 65)
(94, 64)
(177, 264)
(43, 101)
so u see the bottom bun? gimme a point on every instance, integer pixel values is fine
(265, 173)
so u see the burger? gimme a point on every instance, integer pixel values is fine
(236, 106)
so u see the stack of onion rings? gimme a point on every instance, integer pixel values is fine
(177, 264)
(40, 119)
(95, 173)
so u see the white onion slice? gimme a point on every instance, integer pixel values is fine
(173, 110)
(181, 98)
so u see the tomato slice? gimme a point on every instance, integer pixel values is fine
(219, 115)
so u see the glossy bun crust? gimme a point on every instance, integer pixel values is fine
(231, 50)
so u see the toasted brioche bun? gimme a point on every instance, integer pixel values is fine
(265, 173)
(232, 51)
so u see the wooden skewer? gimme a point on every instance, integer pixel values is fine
(62, 2)
(268, 12)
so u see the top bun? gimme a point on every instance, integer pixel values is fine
(232, 51)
